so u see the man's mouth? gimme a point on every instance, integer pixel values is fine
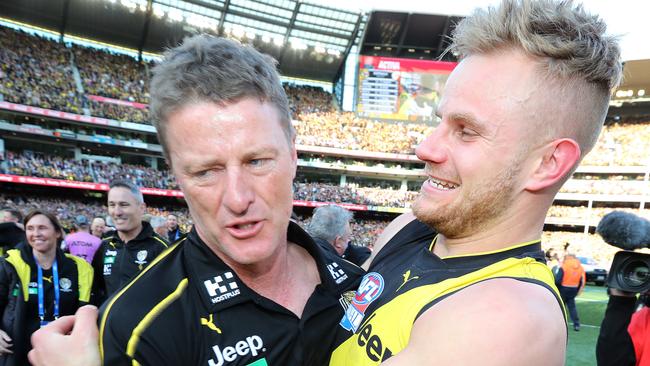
(245, 230)
(442, 185)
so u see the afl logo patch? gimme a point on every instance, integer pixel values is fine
(371, 287)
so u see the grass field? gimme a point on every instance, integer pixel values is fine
(591, 306)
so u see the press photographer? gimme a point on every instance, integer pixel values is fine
(623, 333)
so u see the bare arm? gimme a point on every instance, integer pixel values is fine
(496, 322)
(393, 228)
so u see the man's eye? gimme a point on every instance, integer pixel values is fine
(466, 132)
(257, 162)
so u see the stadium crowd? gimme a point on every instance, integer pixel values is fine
(57, 167)
(39, 71)
(36, 71)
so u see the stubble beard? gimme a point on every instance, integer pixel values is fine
(474, 210)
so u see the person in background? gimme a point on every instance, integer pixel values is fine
(12, 231)
(174, 232)
(81, 243)
(97, 227)
(159, 225)
(133, 244)
(330, 228)
(38, 284)
(572, 279)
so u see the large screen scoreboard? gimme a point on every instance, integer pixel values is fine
(400, 89)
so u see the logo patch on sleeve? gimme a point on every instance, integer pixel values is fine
(371, 287)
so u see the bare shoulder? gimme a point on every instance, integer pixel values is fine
(495, 322)
(393, 228)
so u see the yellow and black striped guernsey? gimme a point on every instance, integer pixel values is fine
(406, 279)
(189, 308)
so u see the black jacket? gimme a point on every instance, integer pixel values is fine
(175, 235)
(116, 263)
(10, 236)
(189, 308)
(18, 293)
(614, 346)
(356, 254)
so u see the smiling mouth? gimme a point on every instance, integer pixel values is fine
(442, 185)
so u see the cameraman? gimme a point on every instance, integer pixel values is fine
(622, 338)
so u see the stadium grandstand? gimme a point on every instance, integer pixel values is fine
(74, 109)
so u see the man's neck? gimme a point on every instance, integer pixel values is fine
(516, 228)
(127, 236)
(46, 259)
(288, 277)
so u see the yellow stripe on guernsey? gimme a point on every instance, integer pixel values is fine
(161, 241)
(151, 316)
(387, 331)
(102, 324)
(84, 274)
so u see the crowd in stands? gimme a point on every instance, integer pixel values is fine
(621, 144)
(40, 72)
(344, 130)
(592, 215)
(322, 192)
(57, 167)
(112, 75)
(308, 99)
(606, 186)
(118, 112)
(36, 71)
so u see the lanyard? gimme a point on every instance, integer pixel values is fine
(41, 292)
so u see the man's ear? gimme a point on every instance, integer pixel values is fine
(557, 159)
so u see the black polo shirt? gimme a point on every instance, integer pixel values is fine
(116, 263)
(189, 308)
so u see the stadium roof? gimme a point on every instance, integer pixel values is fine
(310, 41)
(410, 35)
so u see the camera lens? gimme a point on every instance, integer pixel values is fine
(635, 273)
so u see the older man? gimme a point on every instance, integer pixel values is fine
(246, 286)
(330, 228)
(524, 105)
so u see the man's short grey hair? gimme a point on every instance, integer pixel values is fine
(130, 186)
(157, 221)
(210, 69)
(571, 49)
(328, 222)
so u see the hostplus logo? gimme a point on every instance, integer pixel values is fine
(222, 287)
(337, 273)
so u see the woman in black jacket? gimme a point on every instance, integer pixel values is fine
(38, 283)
